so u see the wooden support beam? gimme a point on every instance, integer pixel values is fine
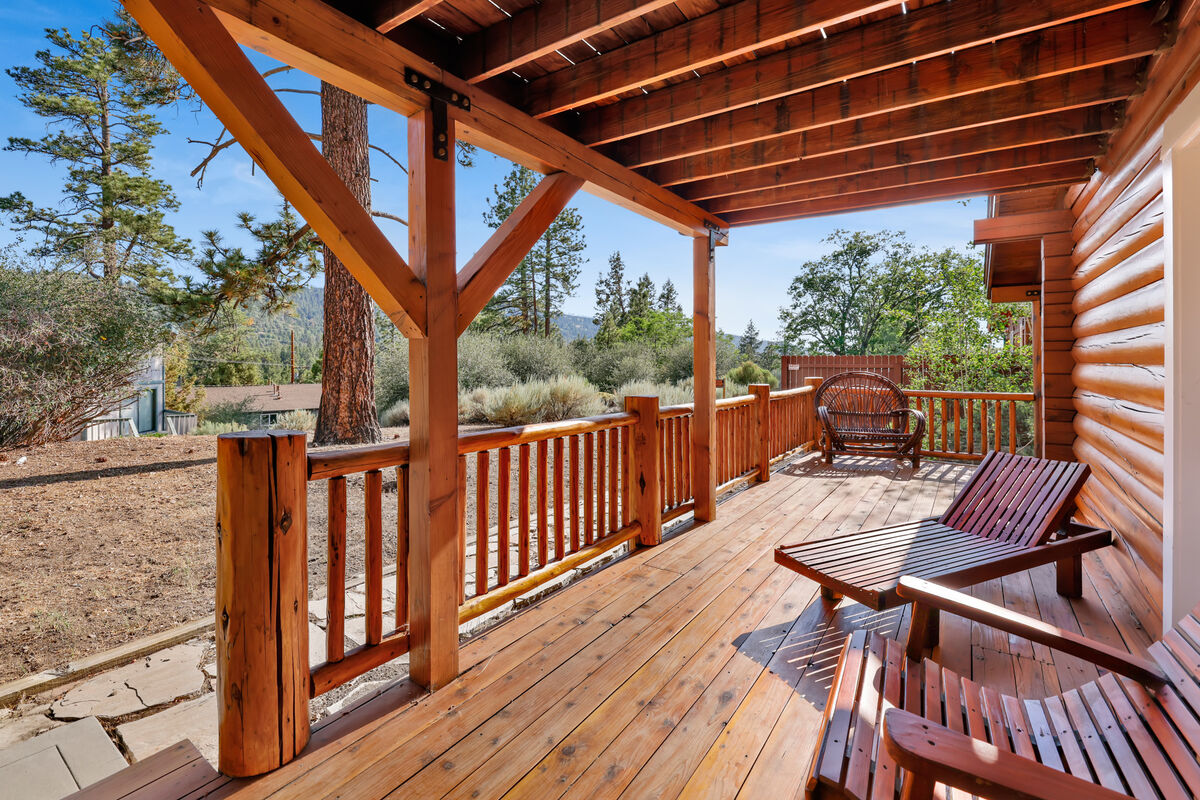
(1070, 150)
(762, 407)
(1093, 87)
(541, 29)
(262, 600)
(1015, 227)
(433, 576)
(726, 33)
(923, 33)
(192, 38)
(1013, 180)
(647, 490)
(313, 36)
(391, 14)
(1117, 36)
(507, 247)
(704, 370)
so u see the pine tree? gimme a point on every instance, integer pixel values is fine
(668, 299)
(641, 298)
(533, 295)
(98, 93)
(751, 344)
(612, 292)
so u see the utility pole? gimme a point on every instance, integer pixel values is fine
(292, 370)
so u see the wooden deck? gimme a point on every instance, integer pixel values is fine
(694, 669)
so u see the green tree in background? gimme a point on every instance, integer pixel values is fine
(98, 93)
(668, 298)
(641, 297)
(533, 295)
(228, 356)
(751, 345)
(612, 293)
(873, 294)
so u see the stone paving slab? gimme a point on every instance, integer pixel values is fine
(35, 768)
(195, 720)
(150, 681)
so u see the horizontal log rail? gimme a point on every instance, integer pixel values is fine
(966, 425)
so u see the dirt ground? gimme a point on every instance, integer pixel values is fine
(109, 541)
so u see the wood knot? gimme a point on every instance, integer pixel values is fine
(285, 521)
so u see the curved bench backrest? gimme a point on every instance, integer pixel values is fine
(862, 401)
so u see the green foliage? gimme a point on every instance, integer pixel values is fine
(612, 292)
(668, 299)
(531, 358)
(873, 294)
(395, 415)
(749, 373)
(299, 420)
(533, 295)
(70, 349)
(241, 412)
(209, 428)
(228, 355)
(750, 346)
(641, 297)
(391, 372)
(609, 367)
(963, 348)
(472, 405)
(669, 394)
(98, 93)
(563, 397)
(481, 362)
(659, 330)
(182, 390)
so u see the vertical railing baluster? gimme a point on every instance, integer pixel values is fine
(335, 582)
(614, 485)
(523, 510)
(482, 466)
(574, 489)
(970, 425)
(543, 503)
(373, 491)
(503, 476)
(589, 485)
(559, 533)
(461, 516)
(1012, 426)
(401, 546)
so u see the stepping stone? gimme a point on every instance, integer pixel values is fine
(316, 645)
(195, 720)
(156, 679)
(19, 728)
(58, 762)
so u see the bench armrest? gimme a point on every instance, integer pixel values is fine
(937, 754)
(930, 595)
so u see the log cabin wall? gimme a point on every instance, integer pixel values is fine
(1119, 297)
(1056, 317)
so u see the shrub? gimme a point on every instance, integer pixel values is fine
(519, 404)
(395, 415)
(210, 428)
(391, 372)
(610, 367)
(472, 405)
(669, 394)
(70, 348)
(675, 363)
(299, 420)
(570, 396)
(481, 362)
(239, 411)
(563, 397)
(532, 358)
(748, 373)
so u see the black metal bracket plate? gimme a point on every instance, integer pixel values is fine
(442, 97)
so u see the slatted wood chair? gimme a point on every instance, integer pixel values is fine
(1011, 516)
(897, 724)
(864, 413)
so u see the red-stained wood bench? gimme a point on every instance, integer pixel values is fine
(899, 725)
(1014, 514)
(864, 413)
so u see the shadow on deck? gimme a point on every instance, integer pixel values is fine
(698, 668)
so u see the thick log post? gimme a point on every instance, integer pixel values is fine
(647, 498)
(704, 368)
(762, 396)
(262, 600)
(434, 590)
(815, 422)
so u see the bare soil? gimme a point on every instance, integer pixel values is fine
(106, 542)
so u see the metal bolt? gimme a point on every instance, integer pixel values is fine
(427, 85)
(441, 137)
(441, 152)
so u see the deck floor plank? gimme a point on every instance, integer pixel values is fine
(697, 668)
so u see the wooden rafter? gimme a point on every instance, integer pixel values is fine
(923, 33)
(195, 42)
(1060, 93)
(1021, 227)
(1070, 150)
(1116, 36)
(394, 13)
(543, 28)
(726, 33)
(487, 270)
(322, 41)
(1015, 133)
(1028, 178)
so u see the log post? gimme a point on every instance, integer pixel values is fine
(434, 588)
(762, 397)
(647, 499)
(818, 430)
(704, 369)
(262, 600)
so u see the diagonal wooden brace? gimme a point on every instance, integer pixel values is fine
(489, 268)
(195, 41)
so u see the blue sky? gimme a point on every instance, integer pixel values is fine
(753, 272)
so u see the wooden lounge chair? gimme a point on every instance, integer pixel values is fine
(899, 725)
(864, 413)
(1001, 522)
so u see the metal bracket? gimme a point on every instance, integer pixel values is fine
(1033, 293)
(441, 97)
(716, 236)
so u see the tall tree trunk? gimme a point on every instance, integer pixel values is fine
(347, 412)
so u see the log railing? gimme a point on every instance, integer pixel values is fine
(534, 502)
(966, 425)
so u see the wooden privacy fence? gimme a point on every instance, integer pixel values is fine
(545, 499)
(795, 370)
(966, 425)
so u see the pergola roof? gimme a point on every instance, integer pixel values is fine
(761, 110)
